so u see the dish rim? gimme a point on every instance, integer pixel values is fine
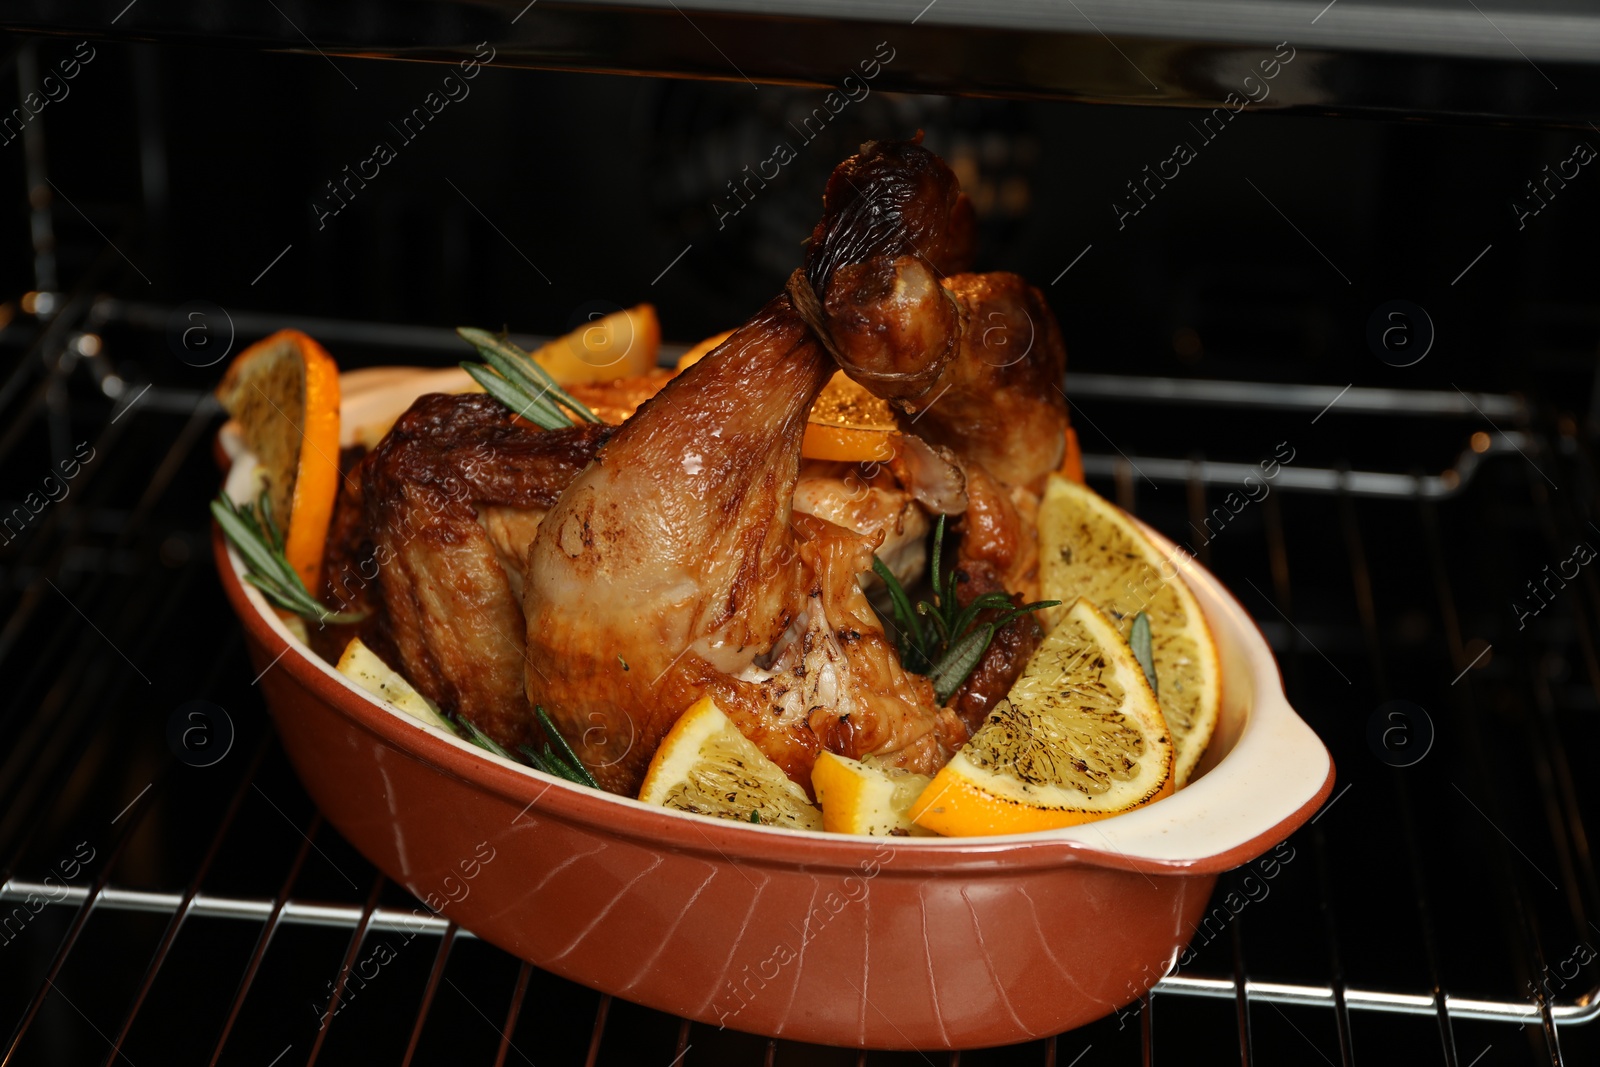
(1272, 736)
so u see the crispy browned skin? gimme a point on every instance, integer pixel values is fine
(894, 221)
(999, 401)
(342, 588)
(975, 359)
(449, 606)
(668, 563)
(672, 566)
(998, 552)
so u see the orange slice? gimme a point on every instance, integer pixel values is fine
(1090, 548)
(283, 392)
(706, 766)
(623, 344)
(1072, 459)
(849, 424)
(1079, 738)
(860, 797)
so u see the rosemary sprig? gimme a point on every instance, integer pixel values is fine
(562, 749)
(557, 758)
(563, 763)
(481, 739)
(949, 648)
(1139, 641)
(255, 535)
(549, 761)
(515, 379)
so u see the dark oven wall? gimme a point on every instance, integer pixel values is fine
(1168, 241)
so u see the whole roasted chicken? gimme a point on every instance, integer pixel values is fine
(614, 575)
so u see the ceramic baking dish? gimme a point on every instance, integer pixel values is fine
(874, 942)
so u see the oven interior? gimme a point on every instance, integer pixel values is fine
(1411, 563)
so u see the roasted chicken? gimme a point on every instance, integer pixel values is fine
(614, 574)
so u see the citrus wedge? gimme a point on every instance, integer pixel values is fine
(861, 798)
(849, 424)
(1090, 548)
(283, 393)
(1078, 738)
(706, 766)
(619, 345)
(362, 666)
(1072, 458)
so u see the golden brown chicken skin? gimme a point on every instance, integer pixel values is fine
(971, 361)
(615, 592)
(669, 562)
(894, 222)
(998, 401)
(446, 588)
(674, 566)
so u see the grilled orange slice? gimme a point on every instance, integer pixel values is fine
(1079, 738)
(623, 344)
(1088, 547)
(860, 798)
(283, 392)
(849, 424)
(705, 765)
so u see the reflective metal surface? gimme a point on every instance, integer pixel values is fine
(1421, 60)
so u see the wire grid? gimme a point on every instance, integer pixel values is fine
(219, 920)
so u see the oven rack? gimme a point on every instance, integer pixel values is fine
(239, 858)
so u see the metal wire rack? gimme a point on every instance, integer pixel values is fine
(1440, 908)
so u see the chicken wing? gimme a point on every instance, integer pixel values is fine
(998, 401)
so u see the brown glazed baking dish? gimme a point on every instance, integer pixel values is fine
(895, 943)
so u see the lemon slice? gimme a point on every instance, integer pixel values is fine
(362, 666)
(860, 798)
(1078, 738)
(1090, 548)
(706, 766)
